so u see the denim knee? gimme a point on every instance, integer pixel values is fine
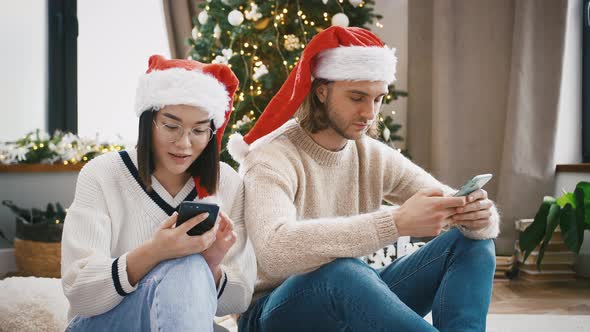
(191, 267)
(343, 266)
(483, 250)
(486, 250)
(343, 273)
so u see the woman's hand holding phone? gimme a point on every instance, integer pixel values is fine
(225, 239)
(173, 242)
(168, 242)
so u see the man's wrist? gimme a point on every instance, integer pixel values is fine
(397, 221)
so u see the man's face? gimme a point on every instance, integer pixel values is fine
(352, 106)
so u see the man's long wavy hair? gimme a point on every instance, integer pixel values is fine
(312, 115)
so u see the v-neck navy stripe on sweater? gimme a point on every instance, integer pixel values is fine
(153, 194)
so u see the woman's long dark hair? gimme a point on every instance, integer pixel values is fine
(206, 166)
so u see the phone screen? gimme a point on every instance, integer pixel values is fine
(474, 184)
(188, 210)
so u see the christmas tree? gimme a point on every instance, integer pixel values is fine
(262, 41)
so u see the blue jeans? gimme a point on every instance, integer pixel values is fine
(176, 295)
(451, 276)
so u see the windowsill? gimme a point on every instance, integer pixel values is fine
(573, 168)
(41, 168)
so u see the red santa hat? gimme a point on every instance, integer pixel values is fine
(210, 87)
(335, 54)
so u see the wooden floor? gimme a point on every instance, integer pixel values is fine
(557, 298)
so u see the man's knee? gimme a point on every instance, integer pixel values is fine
(486, 250)
(482, 250)
(346, 266)
(344, 273)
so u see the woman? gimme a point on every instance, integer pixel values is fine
(125, 266)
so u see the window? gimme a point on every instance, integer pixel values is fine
(586, 83)
(62, 68)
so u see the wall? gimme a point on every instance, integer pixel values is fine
(115, 41)
(23, 64)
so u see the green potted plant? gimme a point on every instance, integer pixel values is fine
(37, 242)
(571, 212)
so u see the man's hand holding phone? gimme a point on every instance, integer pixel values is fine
(468, 208)
(426, 213)
(477, 214)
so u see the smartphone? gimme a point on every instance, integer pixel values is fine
(474, 184)
(188, 210)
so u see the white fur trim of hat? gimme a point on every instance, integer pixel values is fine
(178, 86)
(356, 63)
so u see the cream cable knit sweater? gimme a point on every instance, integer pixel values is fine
(111, 215)
(307, 206)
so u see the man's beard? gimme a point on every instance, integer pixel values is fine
(340, 126)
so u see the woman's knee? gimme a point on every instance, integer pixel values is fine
(191, 267)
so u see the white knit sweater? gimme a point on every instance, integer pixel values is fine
(112, 215)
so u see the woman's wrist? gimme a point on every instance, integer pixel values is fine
(217, 272)
(149, 249)
(140, 261)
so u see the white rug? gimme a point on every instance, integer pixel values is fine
(538, 323)
(517, 323)
(535, 323)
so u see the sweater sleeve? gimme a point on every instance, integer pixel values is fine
(92, 280)
(286, 246)
(403, 178)
(410, 178)
(239, 265)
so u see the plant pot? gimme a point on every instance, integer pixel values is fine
(40, 232)
(39, 259)
(37, 248)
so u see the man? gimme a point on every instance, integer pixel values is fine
(314, 189)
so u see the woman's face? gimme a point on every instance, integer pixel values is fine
(180, 134)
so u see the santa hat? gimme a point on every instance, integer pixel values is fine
(210, 87)
(335, 54)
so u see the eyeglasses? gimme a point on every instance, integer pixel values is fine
(172, 132)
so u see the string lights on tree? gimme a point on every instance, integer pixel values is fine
(262, 42)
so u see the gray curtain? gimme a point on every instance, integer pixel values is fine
(179, 14)
(484, 84)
